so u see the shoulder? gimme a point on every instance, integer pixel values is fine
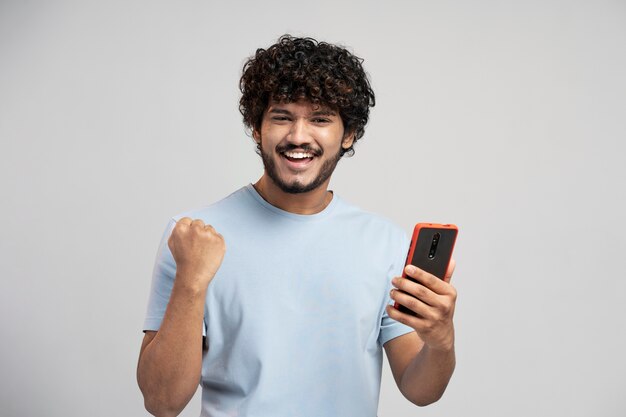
(369, 222)
(224, 208)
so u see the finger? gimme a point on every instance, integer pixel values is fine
(185, 220)
(404, 318)
(416, 305)
(428, 280)
(415, 290)
(197, 222)
(450, 270)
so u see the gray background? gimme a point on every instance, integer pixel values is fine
(507, 118)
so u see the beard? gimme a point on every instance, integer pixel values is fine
(296, 187)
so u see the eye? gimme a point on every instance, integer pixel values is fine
(280, 118)
(321, 120)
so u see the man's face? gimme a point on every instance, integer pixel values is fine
(300, 144)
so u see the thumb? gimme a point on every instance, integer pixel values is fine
(450, 270)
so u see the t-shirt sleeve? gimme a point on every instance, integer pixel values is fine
(389, 328)
(163, 274)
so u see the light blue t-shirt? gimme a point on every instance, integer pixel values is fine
(295, 317)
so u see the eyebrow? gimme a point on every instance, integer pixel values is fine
(324, 112)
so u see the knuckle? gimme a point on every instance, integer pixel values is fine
(197, 223)
(428, 325)
(418, 291)
(185, 221)
(438, 316)
(411, 302)
(400, 317)
(404, 283)
(446, 313)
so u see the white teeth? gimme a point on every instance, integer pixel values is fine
(298, 155)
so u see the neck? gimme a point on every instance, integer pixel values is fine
(302, 203)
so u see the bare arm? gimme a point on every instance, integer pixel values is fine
(422, 362)
(421, 373)
(170, 361)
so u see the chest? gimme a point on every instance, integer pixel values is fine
(292, 280)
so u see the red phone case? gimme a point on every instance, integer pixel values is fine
(422, 254)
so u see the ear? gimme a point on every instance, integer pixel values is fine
(256, 136)
(348, 140)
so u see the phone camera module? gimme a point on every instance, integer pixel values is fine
(433, 246)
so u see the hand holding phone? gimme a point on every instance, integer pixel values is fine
(431, 250)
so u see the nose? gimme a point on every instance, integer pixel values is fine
(299, 132)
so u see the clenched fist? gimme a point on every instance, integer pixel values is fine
(198, 251)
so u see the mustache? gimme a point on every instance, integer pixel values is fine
(305, 147)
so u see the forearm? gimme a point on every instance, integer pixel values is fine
(427, 375)
(170, 365)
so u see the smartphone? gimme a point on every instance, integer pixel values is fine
(431, 250)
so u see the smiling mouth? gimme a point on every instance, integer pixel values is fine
(298, 156)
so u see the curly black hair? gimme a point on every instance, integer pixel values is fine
(302, 68)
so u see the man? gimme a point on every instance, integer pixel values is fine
(290, 285)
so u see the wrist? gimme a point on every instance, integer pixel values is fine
(190, 283)
(446, 348)
(443, 344)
